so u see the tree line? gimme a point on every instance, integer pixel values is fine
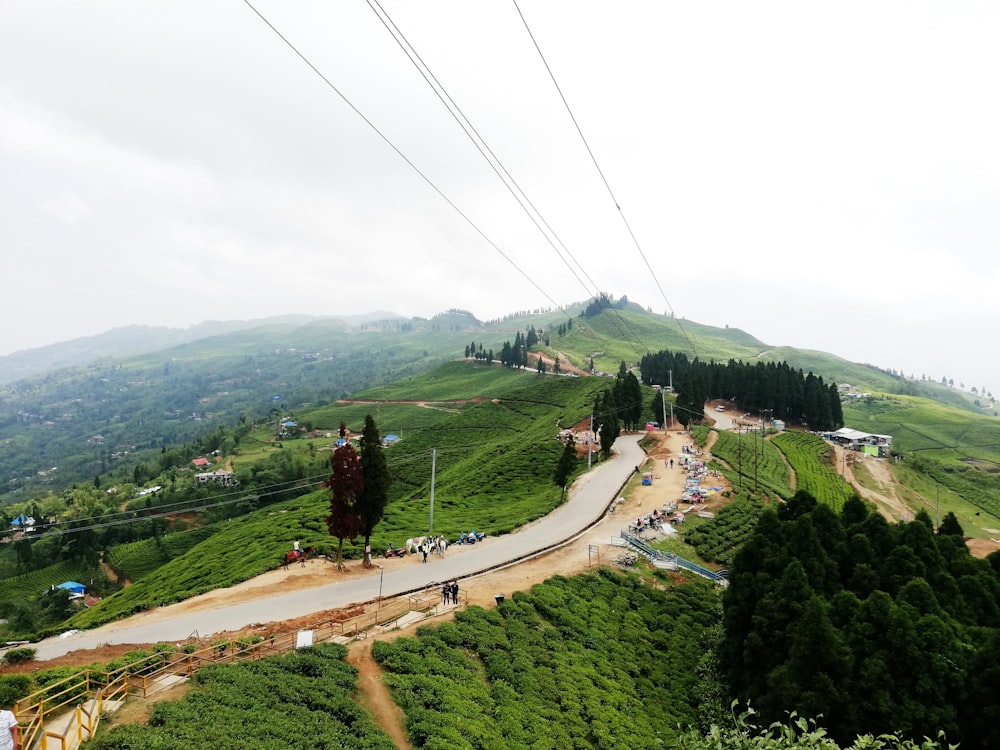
(875, 627)
(774, 387)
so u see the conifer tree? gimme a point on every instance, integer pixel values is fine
(374, 495)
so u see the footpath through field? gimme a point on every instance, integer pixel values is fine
(588, 500)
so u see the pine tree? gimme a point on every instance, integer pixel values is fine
(567, 464)
(374, 495)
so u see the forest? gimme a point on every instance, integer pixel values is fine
(872, 626)
(772, 387)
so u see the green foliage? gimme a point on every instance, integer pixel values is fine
(301, 699)
(13, 687)
(873, 627)
(134, 560)
(797, 733)
(920, 427)
(597, 660)
(811, 459)
(494, 483)
(718, 539)
(34, 584)
(19, 655)
(753, 463)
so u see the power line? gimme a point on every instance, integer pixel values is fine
(604, 179)
(401, 155)
(477, 140)
(414, 57)
(498, 167)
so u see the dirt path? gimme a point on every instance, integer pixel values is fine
(375, 696)
(883, 495)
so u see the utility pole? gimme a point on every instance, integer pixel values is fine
(430, 525)
(739, 450)
(756, 438)
(590, 439)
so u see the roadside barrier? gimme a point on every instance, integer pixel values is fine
(66, 713)
(671, 560)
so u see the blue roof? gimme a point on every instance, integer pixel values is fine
(391, 438)
(76, 588)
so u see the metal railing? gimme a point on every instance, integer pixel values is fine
(80, 699)
(655, 555)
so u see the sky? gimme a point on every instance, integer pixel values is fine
(821, 175)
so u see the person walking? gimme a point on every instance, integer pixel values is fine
(10, 732)
(445, 593)
(426, 548)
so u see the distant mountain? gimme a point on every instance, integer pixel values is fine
(132, 340)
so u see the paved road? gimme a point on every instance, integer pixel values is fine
(588, 501)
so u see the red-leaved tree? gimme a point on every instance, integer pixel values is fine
(346, 482)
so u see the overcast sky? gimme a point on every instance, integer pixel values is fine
(824, 176)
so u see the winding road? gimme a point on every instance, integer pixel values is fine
(588, 500)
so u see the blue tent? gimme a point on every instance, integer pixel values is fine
(23, 521)
(73, 587)
(391, 438)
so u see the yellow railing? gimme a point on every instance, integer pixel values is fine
(88, 692)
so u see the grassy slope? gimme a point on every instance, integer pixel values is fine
(495, 463)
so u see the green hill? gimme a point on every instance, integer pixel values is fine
(495, 463)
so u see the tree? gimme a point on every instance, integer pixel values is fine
(610, 424)
(567, 463)
(346, 483)
(374, 495)
(691, 398)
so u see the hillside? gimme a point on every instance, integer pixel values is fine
(131, 393)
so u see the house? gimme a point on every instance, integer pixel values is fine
(864, 442)
(23, 523)
(221, 477)
(201, 462)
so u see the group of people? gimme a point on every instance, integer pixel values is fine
(449, 592)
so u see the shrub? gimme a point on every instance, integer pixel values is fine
(13, 687)
(19, 655)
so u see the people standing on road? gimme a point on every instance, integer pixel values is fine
(10, 732)
(445, 592)
(454, 592)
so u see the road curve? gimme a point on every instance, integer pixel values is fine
(588, 501)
